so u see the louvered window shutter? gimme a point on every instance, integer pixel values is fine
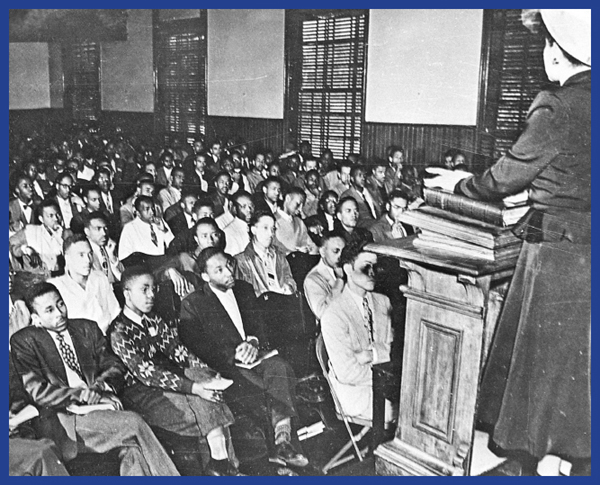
(82, 63)
(181, 75)
(521, 77)
(330, 102)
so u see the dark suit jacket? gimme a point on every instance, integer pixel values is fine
(38, 362)
(206, 329)
(161, 177)
(17, 215)
(178, 224)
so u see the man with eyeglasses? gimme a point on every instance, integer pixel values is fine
(389, 225)
(357, 331)
(68, 203)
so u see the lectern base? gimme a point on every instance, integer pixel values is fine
(396, 458)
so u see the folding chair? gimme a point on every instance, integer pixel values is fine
(339, 458)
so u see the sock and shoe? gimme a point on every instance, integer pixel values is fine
(285, 453)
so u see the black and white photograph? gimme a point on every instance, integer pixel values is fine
(300, 242)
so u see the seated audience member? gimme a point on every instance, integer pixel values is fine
(86, 291)
(347, 221)
(145, 187)
(376, 182)
(165, 383)
(41, 246)
(290, 231)
(104, 257)
(91, 198)
(368, 211)
(326, 280)
(393, 173)
(291, 171)
(184, 218)
(448, 156)
(313, 190)
(184, 242)
(263, 264)
(339, 180)
(356, 328)
(257, 173)
(218, 193)
(65, 362)
(55, 168)
(171, 194)
(21, 208)
(214, 152)
(236, 232)
(146, 234)
(40, 186)
(69, 204)
(28, 453)
(162, 175)
(268, 197)
(327, 164)
(195, 176)
(389, 225)
(459, 162)
(221, 323)
(86, 170)
(326, 213)
(206, 235)
(103, 179)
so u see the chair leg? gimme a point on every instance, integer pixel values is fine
(337, 460)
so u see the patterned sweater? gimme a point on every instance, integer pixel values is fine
(143, 348)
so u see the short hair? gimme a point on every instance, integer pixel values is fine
(271, 180)
(143, 198)
(312, 172)
(325, 196)
(17, 177)
(133, 272)
(48, 203)
(74, 239)
(296, 191)
(399, 194)
(209, 221)
(327, 235)
(89, 188)
(342, 201)
(273, 163)
(450, 152)
(377, 162)
(102, 170)
(87, 220)
(357, 168)
(205, 256)
(203, 202)
(37, 290)
(393, 149)
(258, 215)
(176, 168)
(166, 153)
(239, 194)
(144, 178)
(345, 163)
(61, 176)
(351, 251)
(221, 173)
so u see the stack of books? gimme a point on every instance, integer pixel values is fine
(455, 224)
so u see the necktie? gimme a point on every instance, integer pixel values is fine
(369, 317)
(153, 236)
(68, 355)
(398, 231)
(108, 203)
(104, 260)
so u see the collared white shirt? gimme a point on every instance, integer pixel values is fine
(189, 219)
(203, 183)
(134, 317)
(97, 302)
(27, 210)
(227, 299)
(38, 189)
(73, 379)
(269, 261)
(330, 221)
(236, 236)
(107, 198)
(136, 237)
(66, 210)
(274, 208)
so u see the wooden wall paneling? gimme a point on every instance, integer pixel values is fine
(258, 133)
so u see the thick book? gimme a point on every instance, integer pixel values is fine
(497, 214)
(459, 227)
(433, 240)
(261, 356)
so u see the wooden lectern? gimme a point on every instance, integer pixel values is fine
(452, 307)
